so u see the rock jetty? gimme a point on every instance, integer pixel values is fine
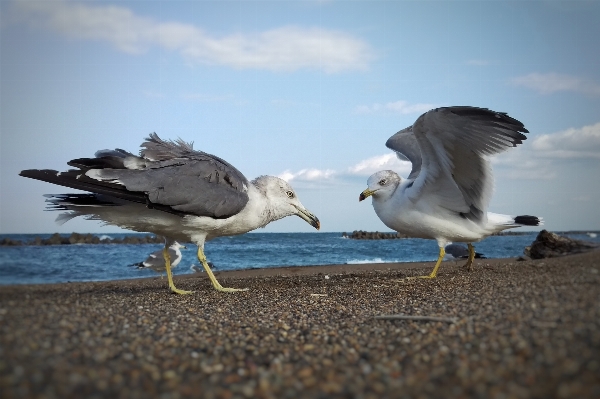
(77, 238)
(373, 235)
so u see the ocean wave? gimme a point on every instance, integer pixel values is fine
(361, 261)
(105, 237)
(24, 265)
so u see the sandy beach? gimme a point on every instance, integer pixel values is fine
(526, 329)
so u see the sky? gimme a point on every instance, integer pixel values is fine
(306, 90)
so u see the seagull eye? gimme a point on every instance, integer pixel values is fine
(290, 194)
(382, 182)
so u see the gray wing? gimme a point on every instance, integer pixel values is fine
(454, 144)
(457, 250)
(156, 149)
(405, 144)
(156, 259)
(191, 186)
(167, 176)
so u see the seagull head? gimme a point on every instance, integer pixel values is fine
(177, 245)
(284, 201)
(381, 185)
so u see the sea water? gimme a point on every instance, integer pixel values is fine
(29, 264)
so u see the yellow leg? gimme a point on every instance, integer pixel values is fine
(169, 274)
(212, 277)
(435, 268)
(469, 264)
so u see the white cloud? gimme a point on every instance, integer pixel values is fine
(286, 48)
(535, 160)
(363, 168)
(522, 164)
(307, 175)
(571, 143)
(545, 155)
(548, 83)
(381, 162)
(401, 107)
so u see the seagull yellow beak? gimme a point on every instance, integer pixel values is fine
(308, 217)
(365, 194)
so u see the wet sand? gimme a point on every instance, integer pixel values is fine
(523, 330)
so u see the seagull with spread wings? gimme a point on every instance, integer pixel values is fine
(449, 188)
(174, 191)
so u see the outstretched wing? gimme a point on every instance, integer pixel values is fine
(407, 149)
(454, 143)
(168, 176)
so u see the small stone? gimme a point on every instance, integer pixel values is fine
(305, 372)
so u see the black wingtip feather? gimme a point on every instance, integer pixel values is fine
(39, 174)
(75, 179)
(97, 163)
(488, 114)
(59, 202)
(527, 220)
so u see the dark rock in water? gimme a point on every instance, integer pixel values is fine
(551, 245)
(10, 242)
(131, 240)
(54, 239)
(77, 238)
(369, 235)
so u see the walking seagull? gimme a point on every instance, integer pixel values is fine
(446, 195)
(174, 191)
(156, 261)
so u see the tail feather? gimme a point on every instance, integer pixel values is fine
(59, 201)
(498, 222)
(528, 220)
(75, 179)
(76, 203)
(79, 181)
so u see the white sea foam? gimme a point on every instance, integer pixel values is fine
(97, 263)
(362, 261)
(105, 237)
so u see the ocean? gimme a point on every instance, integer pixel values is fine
(30, 264)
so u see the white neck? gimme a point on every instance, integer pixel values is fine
(258, 211)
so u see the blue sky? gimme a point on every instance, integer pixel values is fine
(306, 90)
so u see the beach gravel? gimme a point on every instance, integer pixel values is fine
(523, 330)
